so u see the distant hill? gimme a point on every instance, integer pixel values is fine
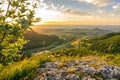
(71, 31)
(91, 32)
(109, 43)
(39, 40)
(50, 38)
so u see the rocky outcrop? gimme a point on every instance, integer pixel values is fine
(77, 70)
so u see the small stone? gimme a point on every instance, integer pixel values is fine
(51, 77)
(51, 71)
(84, 62)
(63, 74)
(50, 65)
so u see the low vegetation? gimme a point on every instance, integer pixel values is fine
(15, 20)
(16, 62)
(37, 40)
(22, 69)
(27, 68)
(109, 43)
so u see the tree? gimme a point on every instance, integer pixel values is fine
(15, 19)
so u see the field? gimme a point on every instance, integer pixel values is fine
(55, 38)
(59, 39)
(97, 47)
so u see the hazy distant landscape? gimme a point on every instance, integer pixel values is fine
(59, 39)
(104, 27)
(56, 47)
(44, 36)
(73, 48)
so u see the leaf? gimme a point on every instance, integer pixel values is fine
(14, 16)
(2, 18)
(13, 3)
(25, 23)
(30, 15)
(11, 12)
(11, 34)
(35, 5)
(23, 8)
(19, 14)
(1, 10)
(0, 3)
(27, 3)
(37, 19)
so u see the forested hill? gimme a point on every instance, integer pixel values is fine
(97, 58)
(39, 40)
(109, 43)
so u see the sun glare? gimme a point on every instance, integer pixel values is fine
(56, 14)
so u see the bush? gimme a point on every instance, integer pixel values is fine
(11, 32)
(23, 69)
(72, 52)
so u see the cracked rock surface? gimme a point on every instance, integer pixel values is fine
(77, 70)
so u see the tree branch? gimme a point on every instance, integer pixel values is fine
(6, 11)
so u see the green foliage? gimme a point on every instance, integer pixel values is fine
(114, 59)
(109, 43)
(26, 69)
(23, 69)
(14, 21)
(40, 40)
(72, 52)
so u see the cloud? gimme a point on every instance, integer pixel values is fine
(38, 0)
(98, 3)
(100, 11)
(62, 9)
(75, 12)
(47, 5)
(116, 7)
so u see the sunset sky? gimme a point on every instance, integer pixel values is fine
(79, 11)
(75, 12)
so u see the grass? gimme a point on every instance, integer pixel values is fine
(61, 64)
(83, 54)
(26, 69)
(23, 69)
(114, 59)
(71, 70)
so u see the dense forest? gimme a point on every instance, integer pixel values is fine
(108, 43)
(40, 40)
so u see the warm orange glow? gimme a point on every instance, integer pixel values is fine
(54, 15)
(81, 23)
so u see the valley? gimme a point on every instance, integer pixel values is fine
(53, 38)
(59, 39)
(55, 54)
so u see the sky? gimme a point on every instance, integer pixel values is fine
(79, 12)
(75, 12)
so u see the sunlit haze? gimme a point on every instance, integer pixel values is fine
(57, 12)
(75, 12)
